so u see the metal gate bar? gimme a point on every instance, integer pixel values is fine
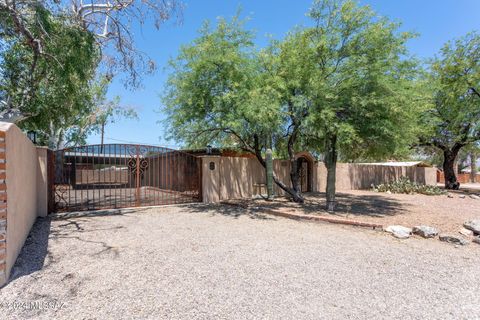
(123, 175)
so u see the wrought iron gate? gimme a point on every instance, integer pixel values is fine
(123, 175)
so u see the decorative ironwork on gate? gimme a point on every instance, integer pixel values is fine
(123, 175)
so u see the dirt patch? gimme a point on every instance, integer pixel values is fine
(446, 214)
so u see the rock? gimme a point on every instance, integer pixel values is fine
(425, 231)
(453, 239)
(462, 196)
(466, 232)
(474, 196)
(476, 239)
(450, 195)
(473, 225)
(400, 232)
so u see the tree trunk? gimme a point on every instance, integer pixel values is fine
(294, 171)
(294, 175)
(473, 166)
(296, 197)
(449, 157)
(331, 163)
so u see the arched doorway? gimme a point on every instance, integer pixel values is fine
(305, 163)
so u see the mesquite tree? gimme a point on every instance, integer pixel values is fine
(219, 93)
(52, 54)
(288, 72)
(112, 21)
(360, 97)
(452, 119)
(46, 63)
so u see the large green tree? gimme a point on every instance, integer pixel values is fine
(342, 86)
(361, 91)
(220, 91)
(45, 70)
(451, 120)
(289, 70)
(52, 52)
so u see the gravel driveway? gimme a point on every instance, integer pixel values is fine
(198, 262)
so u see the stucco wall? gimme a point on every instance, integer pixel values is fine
(238, 177)
(3, 211)
(241, 177)
(26, 191)
(21, 171)
(42, 182)
(210, 179)
(351, 176)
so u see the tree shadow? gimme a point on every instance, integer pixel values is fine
(372, 205)
(229, 210)
(34, 252)
(95, 213)
(35, 255)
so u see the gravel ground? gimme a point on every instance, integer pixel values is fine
(444, 213)
(198, 262)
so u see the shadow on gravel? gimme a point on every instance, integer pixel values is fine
(374, 205)
(35, 255)
(228, 211)
(95, 213)
(35, 250)
(368, 205)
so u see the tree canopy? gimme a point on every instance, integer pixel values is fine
(342, 84)
(54, 53)
(218, 93)
(360, 86)
(451, 118)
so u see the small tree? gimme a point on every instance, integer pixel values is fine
(452, 119)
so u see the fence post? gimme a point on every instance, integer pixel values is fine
(211, 179)
(43, 191)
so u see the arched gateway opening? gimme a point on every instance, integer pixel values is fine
(305, 163)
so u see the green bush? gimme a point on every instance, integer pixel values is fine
(404, 185)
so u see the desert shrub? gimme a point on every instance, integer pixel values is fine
(404, 185)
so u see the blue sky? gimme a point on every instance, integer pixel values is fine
(437, 21)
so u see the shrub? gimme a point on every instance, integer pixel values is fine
(404, 185)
